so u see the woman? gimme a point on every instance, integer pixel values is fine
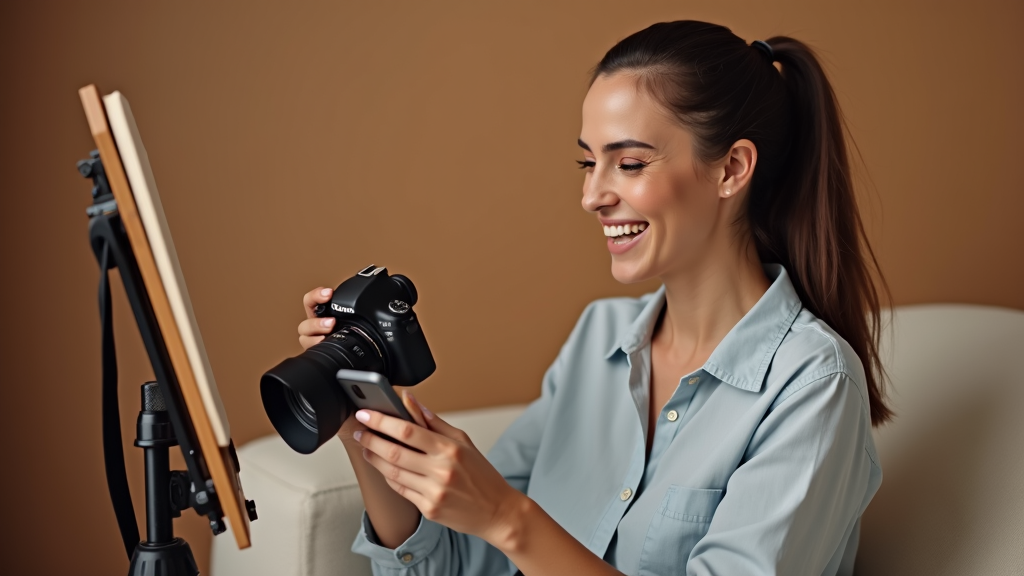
(720, 425)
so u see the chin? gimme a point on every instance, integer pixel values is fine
(630, 272)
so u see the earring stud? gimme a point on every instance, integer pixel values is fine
(727, 191)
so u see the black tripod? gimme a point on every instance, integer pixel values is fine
(164, 420)
(167, 494)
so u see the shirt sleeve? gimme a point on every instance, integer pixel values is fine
(806, 478)
(435, 550)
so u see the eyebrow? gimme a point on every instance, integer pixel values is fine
(616, 145)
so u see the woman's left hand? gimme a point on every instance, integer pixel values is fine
(449, 480)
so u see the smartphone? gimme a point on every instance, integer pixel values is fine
(372, 391)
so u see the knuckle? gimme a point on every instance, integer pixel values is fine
(393, 454)
(393, 473)
(447, 477)
(406, 431)
(431, 511)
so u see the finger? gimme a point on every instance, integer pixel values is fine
(418, 500)
(410, 403)
(308, 341)
(397, 474)
(405, 432)
(436, 424)
(393, 453)
(316, 326)
(314, 297)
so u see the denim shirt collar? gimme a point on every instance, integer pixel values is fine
(742, 358)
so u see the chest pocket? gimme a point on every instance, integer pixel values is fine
(679, 523)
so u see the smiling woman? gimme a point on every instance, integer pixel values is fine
(721, 425)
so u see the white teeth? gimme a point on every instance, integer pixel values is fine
(615, 231)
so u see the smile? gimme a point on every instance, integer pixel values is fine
(624, 233)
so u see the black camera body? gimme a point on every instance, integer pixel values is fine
(382, 306)
(375, 330)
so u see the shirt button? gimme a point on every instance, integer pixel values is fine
(406, 557)
(694, 380)
(672, 415)
(625, 494)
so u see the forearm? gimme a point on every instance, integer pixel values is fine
(394, 518)
(538, 546)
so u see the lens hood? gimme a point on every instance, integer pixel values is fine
(309, 377)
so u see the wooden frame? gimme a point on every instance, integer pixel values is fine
(131, 181)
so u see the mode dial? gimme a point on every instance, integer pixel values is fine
(406, 284)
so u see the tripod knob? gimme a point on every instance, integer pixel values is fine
(250, 507)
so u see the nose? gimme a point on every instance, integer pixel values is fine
(597, 194)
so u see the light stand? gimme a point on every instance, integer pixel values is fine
(166, 494)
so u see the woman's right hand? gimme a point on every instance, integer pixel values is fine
(312, 330)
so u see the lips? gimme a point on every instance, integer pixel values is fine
(623, 235)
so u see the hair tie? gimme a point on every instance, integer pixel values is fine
(764, 47)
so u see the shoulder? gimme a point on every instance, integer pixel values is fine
(813, 352)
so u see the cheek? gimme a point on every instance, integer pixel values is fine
(666, 201)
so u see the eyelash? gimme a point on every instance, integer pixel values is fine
(584, 164)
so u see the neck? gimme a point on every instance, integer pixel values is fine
(704, 301)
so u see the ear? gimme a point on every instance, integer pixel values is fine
(738, 169)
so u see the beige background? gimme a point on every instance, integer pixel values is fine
(294, 143)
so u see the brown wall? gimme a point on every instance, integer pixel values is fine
(295, 143)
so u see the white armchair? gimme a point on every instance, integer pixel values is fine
(951, 502)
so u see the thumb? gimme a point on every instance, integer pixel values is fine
(436, 424)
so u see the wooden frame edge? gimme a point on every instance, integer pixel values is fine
(218, 459)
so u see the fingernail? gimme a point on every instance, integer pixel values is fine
(327, 322)
(357, 435)
(426, 411)
(325, 292)
(363, 416)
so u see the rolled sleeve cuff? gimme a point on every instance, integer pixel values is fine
(411, 552)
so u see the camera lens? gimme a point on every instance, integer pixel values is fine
(358, 392)
(301, 408)
(301, 396)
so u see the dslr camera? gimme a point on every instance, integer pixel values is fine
(375, 330)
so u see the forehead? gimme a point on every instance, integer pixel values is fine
(616, 108)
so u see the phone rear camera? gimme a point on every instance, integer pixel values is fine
(358, 392)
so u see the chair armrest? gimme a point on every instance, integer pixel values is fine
(309, 505)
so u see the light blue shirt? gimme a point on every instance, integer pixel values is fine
(762, 461)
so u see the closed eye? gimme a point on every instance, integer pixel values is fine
(584, 164)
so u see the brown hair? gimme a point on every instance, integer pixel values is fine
(801, 208)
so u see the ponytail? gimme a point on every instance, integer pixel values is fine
(801, 209)
(812, 225)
